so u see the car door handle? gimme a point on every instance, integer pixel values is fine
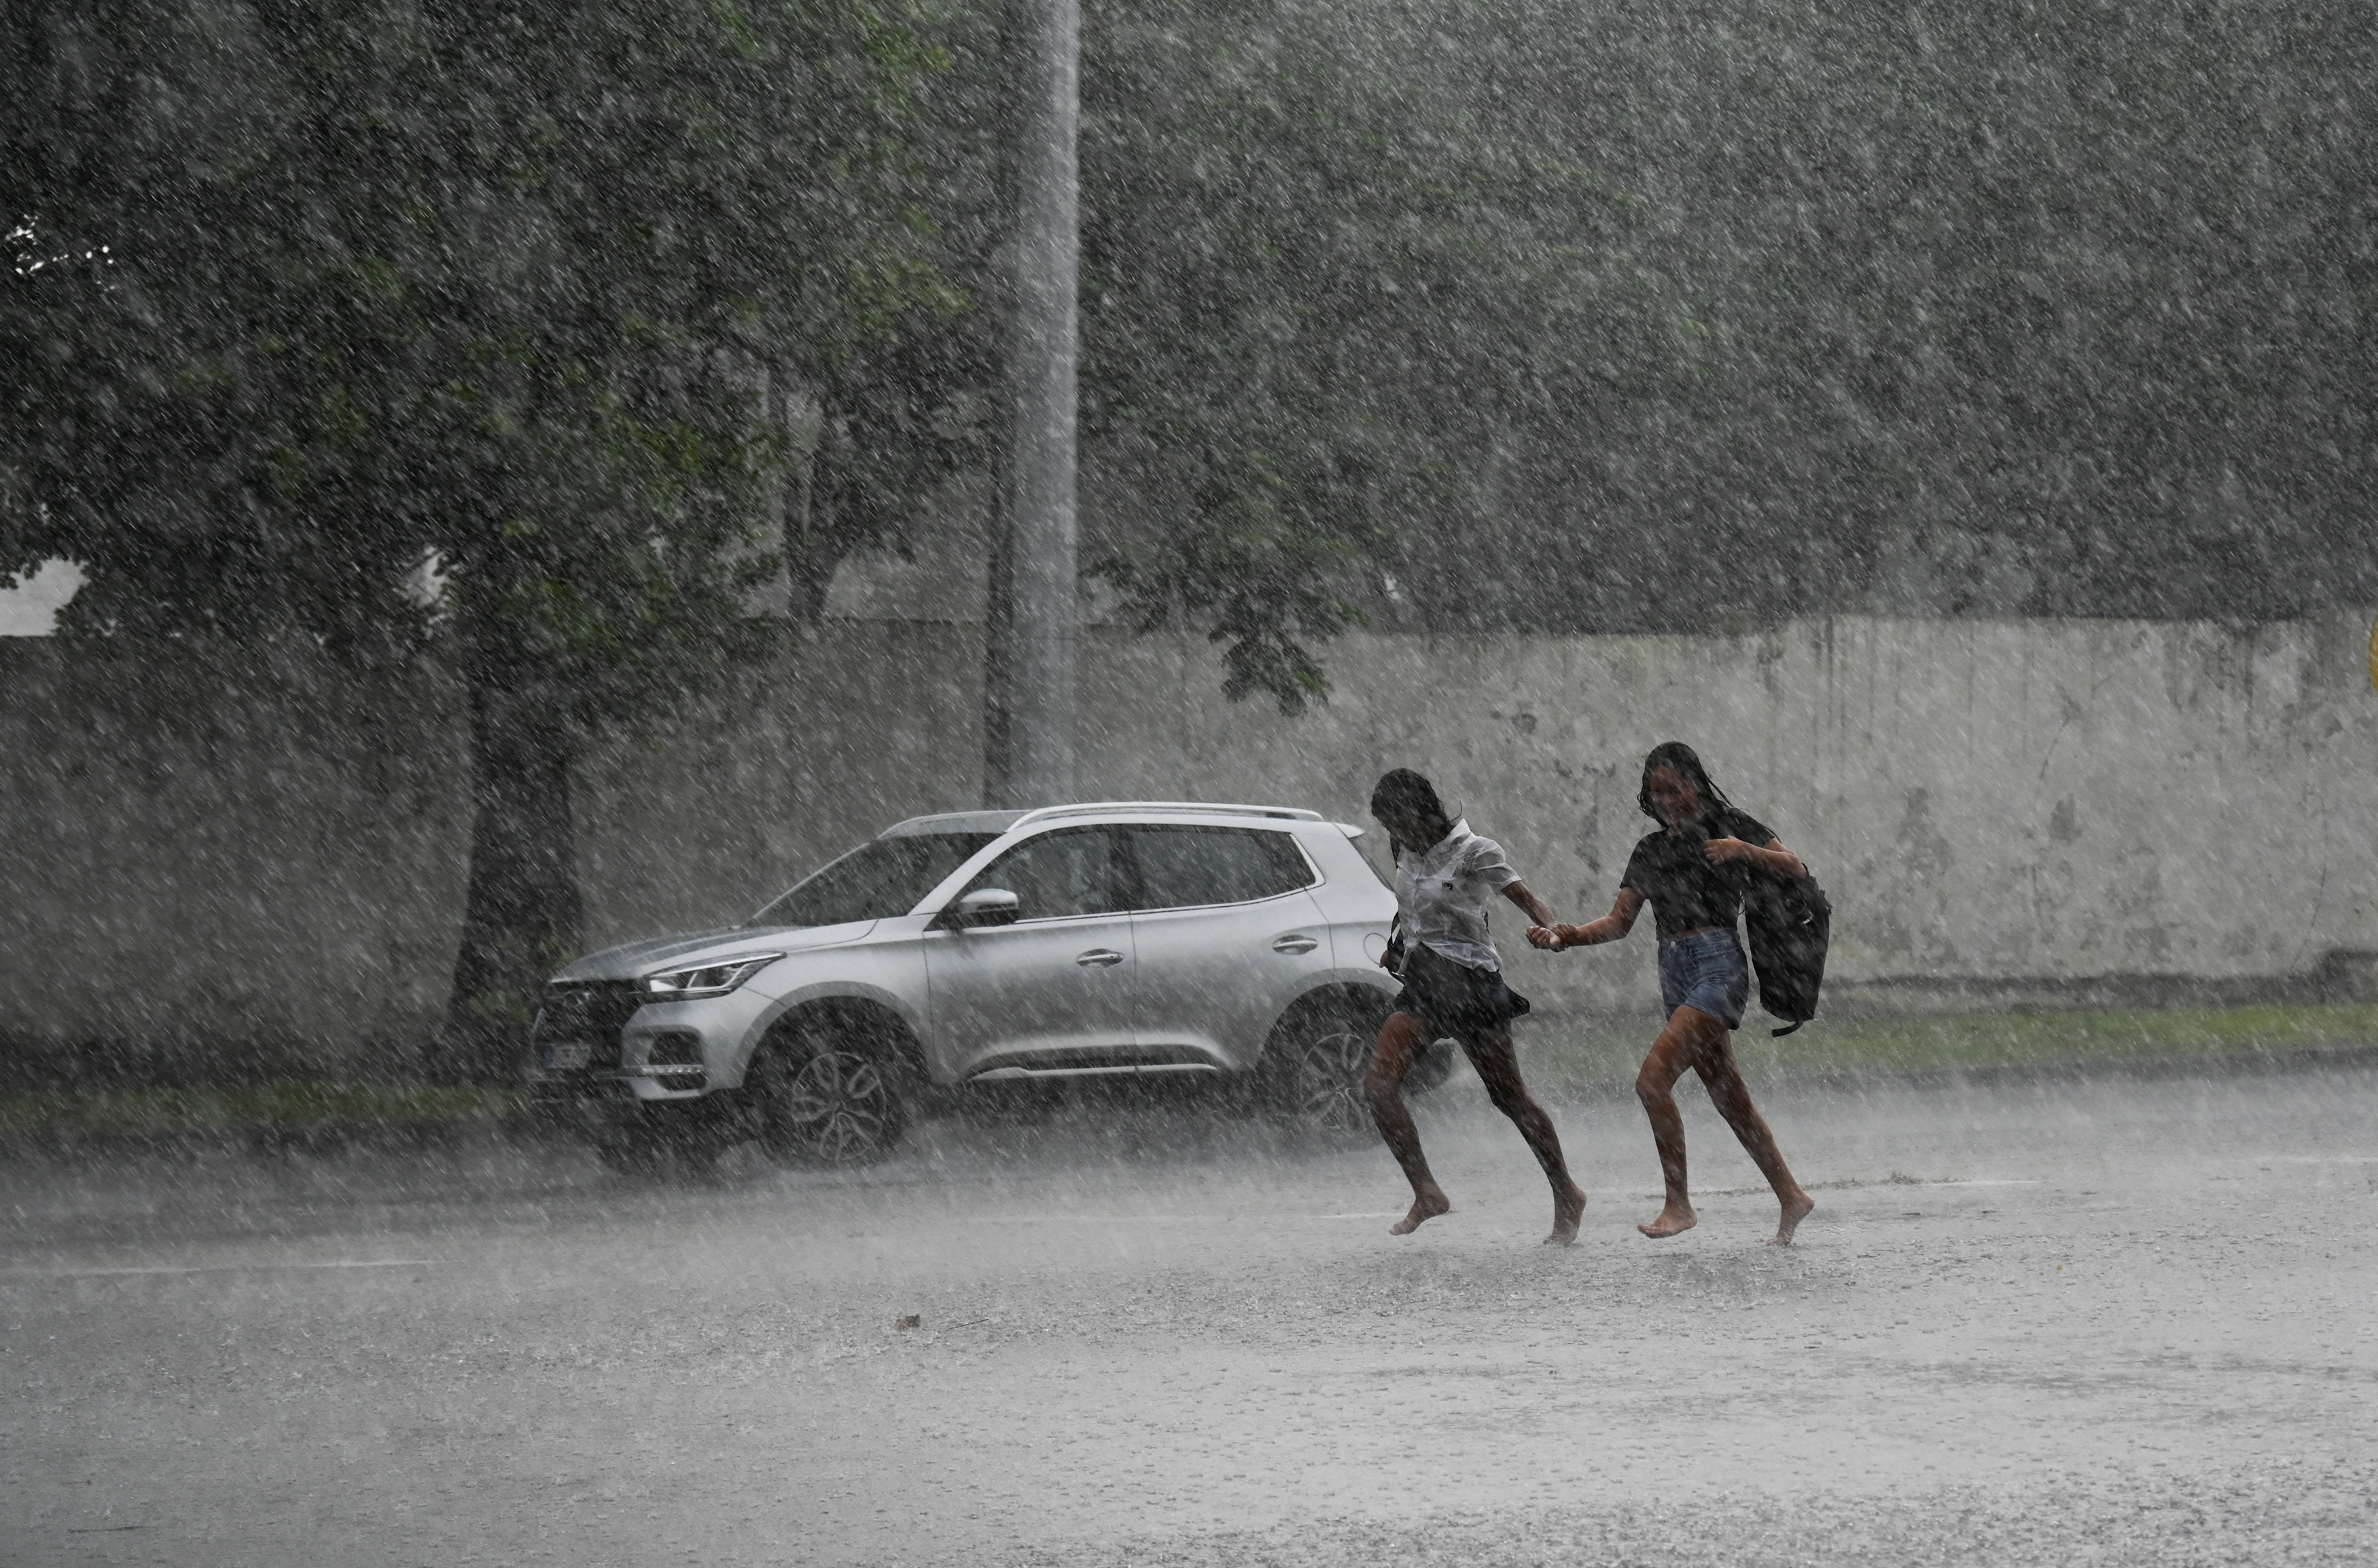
(1294, 944)
(1099, 958)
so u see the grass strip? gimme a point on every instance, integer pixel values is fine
(246, 1108)
(1596, 1052)
(1609, 1051)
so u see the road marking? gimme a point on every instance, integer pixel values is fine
(231, 1268)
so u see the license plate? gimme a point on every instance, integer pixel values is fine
(567, 1056)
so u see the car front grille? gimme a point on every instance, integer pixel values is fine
(588, 1012)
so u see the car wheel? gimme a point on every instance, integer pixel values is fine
(1316, 1064)
(828, 1096)
(1435, 1065)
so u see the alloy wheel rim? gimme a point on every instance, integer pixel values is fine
(1329, 1082)
(838, 1107)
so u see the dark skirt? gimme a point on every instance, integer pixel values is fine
(1454, 1000)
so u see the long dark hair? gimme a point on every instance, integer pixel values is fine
(1402, 793)
(1687, 762)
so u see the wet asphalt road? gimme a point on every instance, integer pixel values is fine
(2105, 1321)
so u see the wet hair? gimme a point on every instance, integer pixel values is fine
(1687, 762)
(1402, 793)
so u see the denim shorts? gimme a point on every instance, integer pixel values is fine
(1706, 970)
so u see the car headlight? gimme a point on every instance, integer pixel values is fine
(712, 979)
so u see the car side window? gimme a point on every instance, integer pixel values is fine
(1071, 872)
(1183, 867)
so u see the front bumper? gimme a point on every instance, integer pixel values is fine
(579, 1074)
(599, 1048)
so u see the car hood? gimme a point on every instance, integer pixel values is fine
(655, 955)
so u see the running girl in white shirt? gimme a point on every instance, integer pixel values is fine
(1453, 986)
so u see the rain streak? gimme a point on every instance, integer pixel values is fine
(1211, 783)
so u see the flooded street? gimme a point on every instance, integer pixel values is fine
(2107, 1321)
(772, 565)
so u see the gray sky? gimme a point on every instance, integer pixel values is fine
(29, 605)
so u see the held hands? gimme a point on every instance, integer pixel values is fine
(1551, 938)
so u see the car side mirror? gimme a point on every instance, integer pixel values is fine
(984, 907)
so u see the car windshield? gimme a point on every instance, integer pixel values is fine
(879, 879)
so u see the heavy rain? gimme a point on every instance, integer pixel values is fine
(1213, 782)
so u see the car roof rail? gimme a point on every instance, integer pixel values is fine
(952, 822)
(1208, 808)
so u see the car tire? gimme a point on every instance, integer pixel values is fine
(1314, 1067)
(1312, 1076)
(1435, 1065)
(831, 1089)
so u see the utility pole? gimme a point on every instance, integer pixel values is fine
(1034, 620)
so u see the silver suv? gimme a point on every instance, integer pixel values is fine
(1123, 939)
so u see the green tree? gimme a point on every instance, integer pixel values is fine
(309, 297)
(1321, 306)
(2020, 308)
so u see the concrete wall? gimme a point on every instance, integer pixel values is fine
(269, 857)
(2036, 801)
(200, 853)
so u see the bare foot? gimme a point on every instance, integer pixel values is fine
(1567, 1210)
(1795, 1209)
(1425, 1206)
(1673, 1221)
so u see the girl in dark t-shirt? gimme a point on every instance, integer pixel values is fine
(1693, 872)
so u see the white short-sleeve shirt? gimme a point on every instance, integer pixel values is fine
(1442, 891)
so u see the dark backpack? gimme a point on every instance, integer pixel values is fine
(1789, 924)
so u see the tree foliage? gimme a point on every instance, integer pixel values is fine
(2019, 307)
(1319, 303)
(313, 299)
(507, 283)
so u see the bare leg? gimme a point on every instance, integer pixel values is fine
(1676, 1048)
(1400, 1045)
(1498, 1069)
(1731, 1097)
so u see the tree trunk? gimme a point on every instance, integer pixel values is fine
(522, 918)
